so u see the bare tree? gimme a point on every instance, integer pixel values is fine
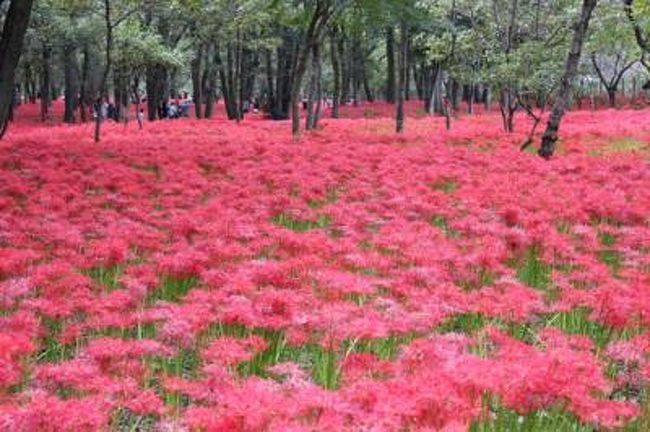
(611, 83)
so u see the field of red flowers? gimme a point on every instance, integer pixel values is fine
(203, 275)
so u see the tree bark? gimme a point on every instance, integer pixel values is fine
(11, 46)
(390, 65)
(155, 83)
(550, 137)
(70, 87)
(402, 65)
(83, 92)
(323, 12)
(314, 101)
(107, 68)
(45, 84)
(336, 72)
(197, 84)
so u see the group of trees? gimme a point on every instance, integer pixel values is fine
(521, 54)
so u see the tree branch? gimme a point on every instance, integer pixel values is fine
(638, 31)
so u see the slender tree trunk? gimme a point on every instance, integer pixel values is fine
(45, 85)
(336, 72)
(11, 46)
(238, 77)
(314, 101)
(270, 88)
(83, 92)
(323, 12)
(390, 65)
(197, 85)
(402, 65)
(345, 71)
(210, 88)
(470, 99)
(407, 70)
(299, 73)
(356, 70)
(550, 136)
(366, 83)
(107, 69)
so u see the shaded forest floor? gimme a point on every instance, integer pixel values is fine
(205, 275)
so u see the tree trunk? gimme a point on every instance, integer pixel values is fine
(336, 72)
(197, 84)
(550, 136)
(70, 86)
(83, 92)
(366, 83)
(323, 12)
(45, 84)
(390, 65)
(11, 46)
(402, 65)
(107, 68)
(407, 70)
(155, 82)
(345, 70)
(611, 97)
(314, 101)
(296, 87)
(210, 89)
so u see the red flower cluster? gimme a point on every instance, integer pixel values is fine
(212, 276)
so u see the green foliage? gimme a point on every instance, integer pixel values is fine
(532, 270)
(172, 289)
(298, 225)
(137, 47)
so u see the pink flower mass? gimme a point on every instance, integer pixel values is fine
(209, 276)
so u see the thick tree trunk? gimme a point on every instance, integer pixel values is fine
(390, 65)
(285, 59)
(11, 46)
(229, 83)
(611, 97)
(402, 65)
(70, 85)
(564, 95)
(155, 82)
(210, 89)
